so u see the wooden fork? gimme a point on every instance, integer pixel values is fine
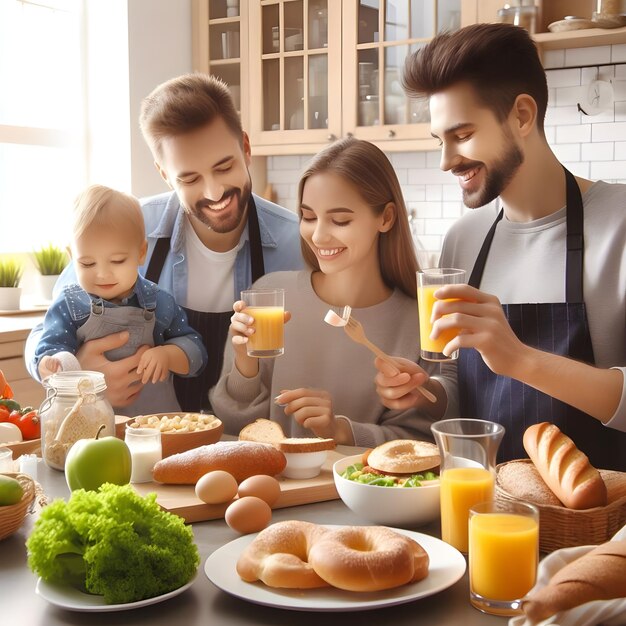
(354, 330)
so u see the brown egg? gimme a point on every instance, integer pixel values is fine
(216, 487)
(262, 486)
(248, 515)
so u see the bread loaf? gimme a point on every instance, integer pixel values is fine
(600, 574)
(242, 459)
(564, 468)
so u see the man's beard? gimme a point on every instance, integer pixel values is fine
(217, 223)
(496, 180)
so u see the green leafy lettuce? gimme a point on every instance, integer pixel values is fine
(113, 542)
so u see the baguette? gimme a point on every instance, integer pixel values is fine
(564, 468)
(600, 574)
(242, 459)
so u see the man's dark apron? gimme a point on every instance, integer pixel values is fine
(193, 393)
(559, 328)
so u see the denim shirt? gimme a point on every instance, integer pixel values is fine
(72, 308)
(163, 217)
(280, 240)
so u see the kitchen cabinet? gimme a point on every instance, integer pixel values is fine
(306, 72)
(318, 70)
(220, 46)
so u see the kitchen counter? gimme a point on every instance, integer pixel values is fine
(203, 603)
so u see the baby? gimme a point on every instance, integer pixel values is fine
(108, 245)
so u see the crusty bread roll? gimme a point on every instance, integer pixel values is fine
(267, 431)
(522, 480)
(564, 468)
(242, 459)
(404, 456)
(600, 574)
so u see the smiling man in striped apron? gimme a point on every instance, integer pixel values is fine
(543, 317)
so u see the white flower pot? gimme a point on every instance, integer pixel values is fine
(10, 298)
(46, 285)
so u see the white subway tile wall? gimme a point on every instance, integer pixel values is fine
(591, 146)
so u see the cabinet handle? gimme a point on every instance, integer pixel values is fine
(391, 133)
(331, 137)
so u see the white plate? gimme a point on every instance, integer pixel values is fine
(72, 599)
(447, 565)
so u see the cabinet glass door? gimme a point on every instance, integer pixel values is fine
(294, 73)
(385, 33)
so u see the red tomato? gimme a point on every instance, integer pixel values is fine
(30, 425)
(14, 417)
(4, 414)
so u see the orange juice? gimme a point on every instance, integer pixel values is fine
(268, 336)
(461, 488)
(503, 555)
(425, 302)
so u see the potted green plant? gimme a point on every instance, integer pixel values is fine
(50, 261)
(10, 291)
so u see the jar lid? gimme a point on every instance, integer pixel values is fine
(76, 382)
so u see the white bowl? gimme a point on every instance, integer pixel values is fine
(304, 464)
(388, 506)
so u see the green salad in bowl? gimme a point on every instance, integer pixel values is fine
(355, 472)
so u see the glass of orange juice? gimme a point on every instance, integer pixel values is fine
(468, 449)
(503, 555)
(428, 281)
(267, 308)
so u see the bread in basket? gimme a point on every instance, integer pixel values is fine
(560, 527)
(12, 515)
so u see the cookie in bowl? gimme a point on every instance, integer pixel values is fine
(182, 431)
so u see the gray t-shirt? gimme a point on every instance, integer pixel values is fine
(321, 356)
(526, 263)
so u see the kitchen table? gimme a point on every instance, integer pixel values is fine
(204, 604)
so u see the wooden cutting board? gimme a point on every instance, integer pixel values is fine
(182, 500)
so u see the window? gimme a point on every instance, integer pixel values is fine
(42, 146)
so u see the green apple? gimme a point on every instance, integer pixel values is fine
(93, 462)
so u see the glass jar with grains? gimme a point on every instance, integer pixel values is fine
(74, 408)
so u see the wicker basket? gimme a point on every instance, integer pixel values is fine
(560, 527)
(12, 515)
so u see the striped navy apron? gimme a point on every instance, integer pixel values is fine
(559, 328)
(193, 393)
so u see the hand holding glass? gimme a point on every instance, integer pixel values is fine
(503, 555)
(267, 308)
(428, 281)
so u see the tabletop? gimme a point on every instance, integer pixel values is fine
(203, 603)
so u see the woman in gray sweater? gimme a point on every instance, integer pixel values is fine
(356, 241)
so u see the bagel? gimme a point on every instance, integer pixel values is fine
(368, 558)
(404, 456)
(278, 556)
